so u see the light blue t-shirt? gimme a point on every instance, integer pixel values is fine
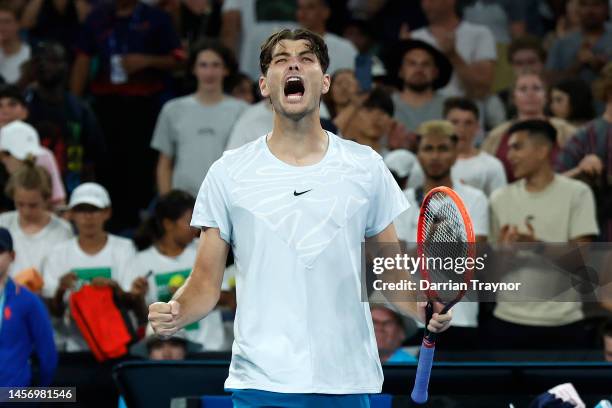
(401, 356)
(297, 233)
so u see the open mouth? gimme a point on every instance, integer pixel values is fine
(294, 88)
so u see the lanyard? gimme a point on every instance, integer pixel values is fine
(113, 43)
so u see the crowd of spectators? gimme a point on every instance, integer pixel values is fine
(129, 102)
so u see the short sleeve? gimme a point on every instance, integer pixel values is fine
(212, 203)
(479, 212)
(583, 219)
(387, 200)
(162, 136)
(484, 45)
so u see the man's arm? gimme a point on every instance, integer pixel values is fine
(200, 293)
(80, 72)
(438, 322)
(164, 173)
(476, 77)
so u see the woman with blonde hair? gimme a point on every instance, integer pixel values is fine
(34, 228)
(529, 95)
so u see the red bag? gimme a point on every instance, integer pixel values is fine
(100, 321)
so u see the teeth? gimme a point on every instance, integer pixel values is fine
(293, 79)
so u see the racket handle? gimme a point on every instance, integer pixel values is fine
(421, 382)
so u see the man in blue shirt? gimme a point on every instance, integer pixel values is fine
(136, 48)
(24, 327)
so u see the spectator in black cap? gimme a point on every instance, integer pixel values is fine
(422, 70)
(25, 328)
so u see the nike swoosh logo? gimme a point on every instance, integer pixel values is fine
(295, 193)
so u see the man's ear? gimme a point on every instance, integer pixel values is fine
(326, 83)
(263, 87)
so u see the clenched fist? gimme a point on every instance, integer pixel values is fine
(164, 317)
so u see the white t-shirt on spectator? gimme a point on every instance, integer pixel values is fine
(194, 136)
(256, 120)
(254, 32)
(110, 262)
(296, 232)
(10, 66)
(482, 171)
(342, 53)
(31, 249)
(474, 42)
(465, 314)
(209, 331)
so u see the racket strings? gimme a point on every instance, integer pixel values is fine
(444, 240)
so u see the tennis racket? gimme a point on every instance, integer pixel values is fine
(444, 230)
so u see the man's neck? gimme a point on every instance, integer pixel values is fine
(466, 150)
(301, 142)
(415, 99)
(11, 47)
(531, 115)
(209, 97)
(448, 23)
(320, 30)
(539, 180)
(92, 244)
(168, 247)
(431, 183)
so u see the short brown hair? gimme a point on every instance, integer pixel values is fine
(526, 42)
(603, 85)
(30, 177)
(317, 46)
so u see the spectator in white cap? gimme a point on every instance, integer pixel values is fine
(19, 142)
(93, 256)
(405, 168)
(34, 228)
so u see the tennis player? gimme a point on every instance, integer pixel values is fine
(296, 205)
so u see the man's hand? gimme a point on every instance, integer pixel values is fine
(591, 165)
(140, 287)
(438, 322)
(164, 317)
(134, 62)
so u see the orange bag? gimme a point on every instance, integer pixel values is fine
(100, 321)
(30, 278)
